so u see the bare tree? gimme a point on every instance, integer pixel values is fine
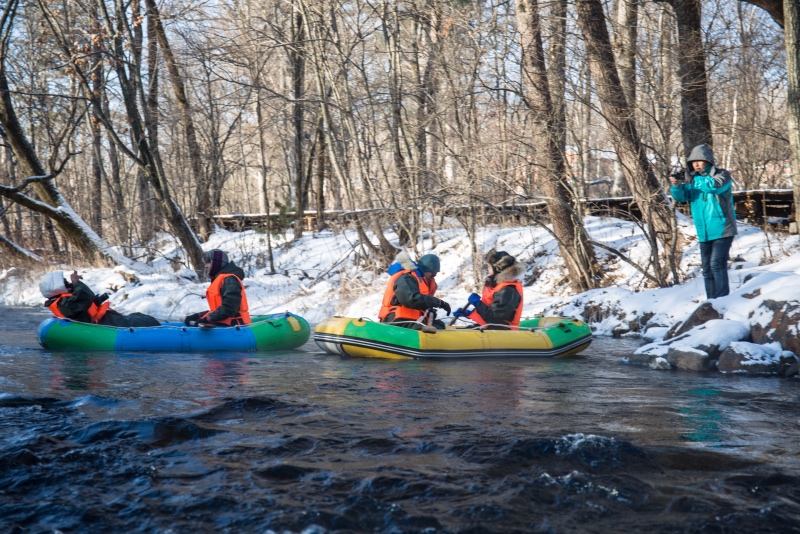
(547, 138)
(145, 154)
(647, 191)
(52, 203)
(791, 17)
(695, 118)
(205, 212)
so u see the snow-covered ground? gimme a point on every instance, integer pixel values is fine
(322, 275)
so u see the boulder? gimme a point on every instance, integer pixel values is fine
(744, 357)
(688, 358)
(694, 350)
(704, 313)
(660, 364)
(646, 358)
(647, 354)
(781, 325)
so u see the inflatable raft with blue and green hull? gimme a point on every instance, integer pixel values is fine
(280, 331)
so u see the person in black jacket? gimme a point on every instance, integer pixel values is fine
(226, 297)
(500, 305)
(409, 295)
(74, 300)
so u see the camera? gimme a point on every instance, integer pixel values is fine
(679, 173)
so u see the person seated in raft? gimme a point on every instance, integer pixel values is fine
(500, 305)
(410, 293)
(75, 301)
(226, 298)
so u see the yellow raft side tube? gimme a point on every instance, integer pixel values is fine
(553, 337)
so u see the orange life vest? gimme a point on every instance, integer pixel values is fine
(487, 297)
(95, 312)
(214, 298)
(403, 312)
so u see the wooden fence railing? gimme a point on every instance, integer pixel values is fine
(760, 206)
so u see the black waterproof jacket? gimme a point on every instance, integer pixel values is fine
(503, 307)
(230, 292)
(406, 291)
(77, 307)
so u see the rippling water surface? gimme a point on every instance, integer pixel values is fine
(303, 441)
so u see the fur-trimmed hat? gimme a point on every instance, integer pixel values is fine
(217, 259)
(500, 260)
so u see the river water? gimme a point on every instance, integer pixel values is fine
(306, 442)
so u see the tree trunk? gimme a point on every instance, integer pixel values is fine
(149, 211)
(791, 17)
(547, 139)
(322, 159)
(298, 65)
(647, 192)
(557, 73)
(407, 227)
(95, 129)
(627, 29)
(205, 207)
(695, 120)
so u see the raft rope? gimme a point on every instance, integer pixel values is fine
(476, 327)
(270, 318)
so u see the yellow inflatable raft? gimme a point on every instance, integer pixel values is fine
(543, 337)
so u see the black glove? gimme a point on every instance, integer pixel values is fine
(203, 320)
(445, 306)
(99, 299)
(192, 320)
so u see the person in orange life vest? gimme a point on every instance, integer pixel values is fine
(410, 293)
(501, 301)
(74, 300)
(226, 297)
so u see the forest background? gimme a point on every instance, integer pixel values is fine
(121, 121)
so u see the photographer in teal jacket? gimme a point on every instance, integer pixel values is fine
(708, 191)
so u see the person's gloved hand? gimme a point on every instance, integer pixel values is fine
(203, 320)
(461, 312)
(99, 299)
(445, 306)
(474, 299)
(191, 320)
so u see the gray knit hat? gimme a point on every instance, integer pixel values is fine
(217, 259)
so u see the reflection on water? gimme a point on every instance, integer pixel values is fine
(302, 441)
(78, 371)
(704, 421)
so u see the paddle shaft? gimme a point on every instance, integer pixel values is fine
(453, 320)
